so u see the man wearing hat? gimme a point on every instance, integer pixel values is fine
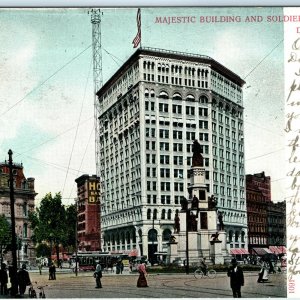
(23, 279)
(98, 275)
(236, 279)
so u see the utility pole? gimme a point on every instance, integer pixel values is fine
(13, 275)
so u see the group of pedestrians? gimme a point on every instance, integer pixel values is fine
(235, 273)
(22, 280)
(141, 268)
(237, 278)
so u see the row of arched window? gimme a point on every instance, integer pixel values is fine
(165, 67)
(119, 238)
(175, 96)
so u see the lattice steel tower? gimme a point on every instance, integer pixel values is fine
(98, 80)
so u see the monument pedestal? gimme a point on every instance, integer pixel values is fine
(216, 252)
(172, 252)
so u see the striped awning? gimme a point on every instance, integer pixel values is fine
(261, 251)
(239, 251)
(277, 249)
(133, 252)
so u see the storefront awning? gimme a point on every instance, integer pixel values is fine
(239, 251)
(133, 252)
(63, 257)
(260, 251)
(277, 249)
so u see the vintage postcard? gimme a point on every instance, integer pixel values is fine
(168, 138)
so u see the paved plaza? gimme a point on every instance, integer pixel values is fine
(68, 285)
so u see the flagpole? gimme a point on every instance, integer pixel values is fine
(138, 38)
(140, 27)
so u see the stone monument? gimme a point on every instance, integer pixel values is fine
(198, 230)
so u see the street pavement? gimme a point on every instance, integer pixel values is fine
(68, 285)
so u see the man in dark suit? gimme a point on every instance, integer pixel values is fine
(236, 279)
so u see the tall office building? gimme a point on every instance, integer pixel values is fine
(151, 111)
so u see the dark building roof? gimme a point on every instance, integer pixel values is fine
(84, 177)
(174, 55)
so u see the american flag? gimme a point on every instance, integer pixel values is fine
(138, 36)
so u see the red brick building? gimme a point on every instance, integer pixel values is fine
(24, 195)
(258, 197)
(277, 224)
(88, 213)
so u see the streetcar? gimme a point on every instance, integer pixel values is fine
(87, 261)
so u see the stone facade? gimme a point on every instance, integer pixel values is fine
(24, 195)
(151, 111)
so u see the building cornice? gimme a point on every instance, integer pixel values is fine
(216, 66)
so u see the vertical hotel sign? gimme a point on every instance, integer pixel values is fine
(292, 132)
(93, 192)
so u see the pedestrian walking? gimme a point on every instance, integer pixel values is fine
(271, 267)
(3, 280)
(23, 279)
(236, 278)
(40, 267)
(98, 275)
(118, 267)
(263, 274)
(52, 272)
(142, 281)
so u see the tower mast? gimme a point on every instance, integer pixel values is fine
(98, 80)
(98, 83)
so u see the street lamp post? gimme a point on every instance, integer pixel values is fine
(187, 267)
(153, 237)
(13, 276)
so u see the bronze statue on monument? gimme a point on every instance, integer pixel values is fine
(197, 160)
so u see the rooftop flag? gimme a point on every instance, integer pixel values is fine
(138, 36)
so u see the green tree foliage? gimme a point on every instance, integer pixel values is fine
(5, 235)
(43, 250)
(50, 222)
(71, 218)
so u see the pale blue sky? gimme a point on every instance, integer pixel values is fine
(36, 43)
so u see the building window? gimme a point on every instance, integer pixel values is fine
(25, 209)
(163, 107)
(177, 134)
(177, 96)
(25, 229)
(163, 95)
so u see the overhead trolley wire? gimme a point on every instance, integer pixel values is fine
(260, 62)
(77, 126)
(43, 82)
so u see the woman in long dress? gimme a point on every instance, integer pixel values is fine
(263, 274)
(142, 281)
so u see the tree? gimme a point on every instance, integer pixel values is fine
(71, 220)
(43, 250)
(5, 235)
(48, 222)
